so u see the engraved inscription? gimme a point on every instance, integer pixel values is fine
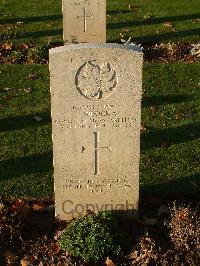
(96, 117)
(97, 186)
(84, 19)
(96, 81)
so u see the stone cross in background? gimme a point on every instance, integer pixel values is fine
(84, 16)
(96, 94)
(84, 21)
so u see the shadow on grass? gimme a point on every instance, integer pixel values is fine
(33, 34)
(167, 36)
(20, 122)
(29, 19)
(166, 137)
(124, 24)
(117, 12)
(187, 187)
(157, 100)
(17, 167)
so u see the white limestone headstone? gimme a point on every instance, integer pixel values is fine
(96, 111)
(84, 21)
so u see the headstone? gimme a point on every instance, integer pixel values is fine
(84, 21)
(96, 106)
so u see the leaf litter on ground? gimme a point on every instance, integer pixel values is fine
(34, 230)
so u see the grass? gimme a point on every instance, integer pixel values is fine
(170, 153)
(145, 21)
(26, 148)
(171, 113)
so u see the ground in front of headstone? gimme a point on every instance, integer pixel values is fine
(30, 235)
(33, 53)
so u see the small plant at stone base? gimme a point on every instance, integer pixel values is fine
(92, 238)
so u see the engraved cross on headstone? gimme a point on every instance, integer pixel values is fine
(96, 152)
(85, 18)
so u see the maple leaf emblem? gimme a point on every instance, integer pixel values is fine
(96, 81)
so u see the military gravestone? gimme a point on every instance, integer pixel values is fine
(84, 21)
(96, 98)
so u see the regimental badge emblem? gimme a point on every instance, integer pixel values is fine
(96, 81)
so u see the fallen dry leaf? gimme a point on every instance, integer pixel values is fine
(24, 46)
(24, 262)
(7, 89)
(27, 260)
(196, 20)
(10, 257)
(32, 76)
(38, 206)
(153, 109)
(7, 46)
(179, 117)
(28, 90)
(18, 205)
(143, 128)
(1, 206)
(109, 262)
(130, 7)
(55, 250)
(58, 234)
(38, 118)
(168, 24)
(133, 255)
(20, 22)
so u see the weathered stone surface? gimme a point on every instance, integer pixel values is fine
(96, 105)
(84, 21)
